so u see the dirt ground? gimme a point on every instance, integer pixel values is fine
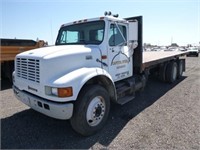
(163, 116)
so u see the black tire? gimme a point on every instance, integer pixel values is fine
(171, 72)
(180, 69)
(9, 68)
(91, 110)
(197, 54)
(162, 72)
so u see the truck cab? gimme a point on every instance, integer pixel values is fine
(108, 37)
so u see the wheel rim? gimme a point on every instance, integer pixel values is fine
(96, 111)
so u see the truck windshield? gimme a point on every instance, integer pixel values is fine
(83, 33)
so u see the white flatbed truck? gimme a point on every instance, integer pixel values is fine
(94, 61)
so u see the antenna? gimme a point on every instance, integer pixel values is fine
(51, 33)
(171, 40)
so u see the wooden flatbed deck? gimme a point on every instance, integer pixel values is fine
(154, 58)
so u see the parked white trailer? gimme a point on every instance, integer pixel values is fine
(94, 61)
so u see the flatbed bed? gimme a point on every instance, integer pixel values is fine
(153, 58)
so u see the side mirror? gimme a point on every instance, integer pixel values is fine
(132, 44)
(133, 30)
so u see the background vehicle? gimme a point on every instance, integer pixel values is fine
(93, 62)
(10, 48)
(182, 49)
(193, 51)
(172, 49)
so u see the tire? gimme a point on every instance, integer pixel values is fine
(162, 72)
(171, 72)
(197, 55)
(180, 69)
(9, 68)
(91, 110)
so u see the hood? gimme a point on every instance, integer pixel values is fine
(56, 61)
(55, 51)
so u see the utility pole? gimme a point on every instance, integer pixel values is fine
(171, 40)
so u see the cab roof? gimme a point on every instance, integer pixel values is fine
(105, 18)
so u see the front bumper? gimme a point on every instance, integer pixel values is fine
(55, 110)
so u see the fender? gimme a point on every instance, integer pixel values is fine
(77, 79)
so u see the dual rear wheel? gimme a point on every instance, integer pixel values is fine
(169, 72)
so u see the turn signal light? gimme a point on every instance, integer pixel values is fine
(65, 92)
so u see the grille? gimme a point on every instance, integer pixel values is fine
(28, 69)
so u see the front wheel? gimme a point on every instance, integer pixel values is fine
(91, 110)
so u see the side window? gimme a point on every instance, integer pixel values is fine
(115, 37)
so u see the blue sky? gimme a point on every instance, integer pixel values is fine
(163, 20)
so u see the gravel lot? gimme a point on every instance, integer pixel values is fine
(163, 116)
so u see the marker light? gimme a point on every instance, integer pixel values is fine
(62, 92)
(65, 92)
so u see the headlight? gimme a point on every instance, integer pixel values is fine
(54, 91)
(59, 92)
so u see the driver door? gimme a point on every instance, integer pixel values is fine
(120, 59)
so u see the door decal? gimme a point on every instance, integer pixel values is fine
(123, 61)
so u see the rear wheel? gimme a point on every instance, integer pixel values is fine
(180, 69)
(171, 72)
(91, 110)
(162, 72)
